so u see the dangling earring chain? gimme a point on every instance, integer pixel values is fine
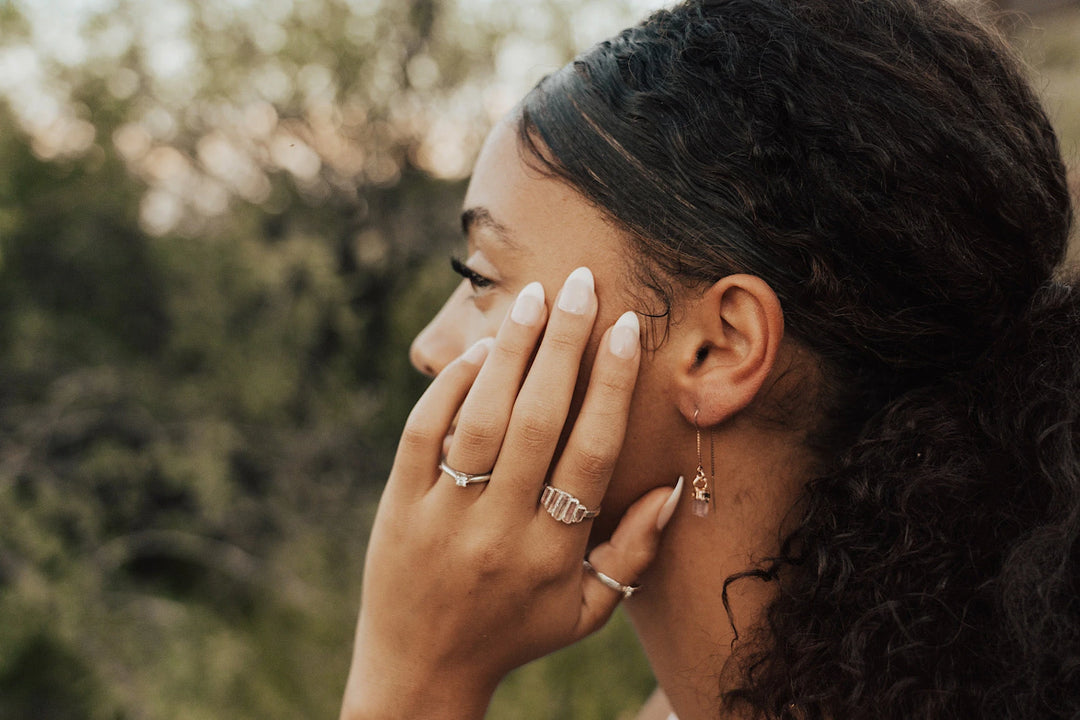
(702, 497)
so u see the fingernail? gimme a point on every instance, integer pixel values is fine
(529, 304)
(577, 292)
(479, 351)
(668, 508)
(625, 336)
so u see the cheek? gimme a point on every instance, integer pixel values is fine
(486, 320)
(653, 453)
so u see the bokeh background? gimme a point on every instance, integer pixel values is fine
(221, 223)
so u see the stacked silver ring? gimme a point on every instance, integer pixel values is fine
(564, 507)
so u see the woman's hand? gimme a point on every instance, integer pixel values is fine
(463, 584)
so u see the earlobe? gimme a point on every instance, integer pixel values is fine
(730, 343)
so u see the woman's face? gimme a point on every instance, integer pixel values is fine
(521, 227)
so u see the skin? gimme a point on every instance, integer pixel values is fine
(723, 357)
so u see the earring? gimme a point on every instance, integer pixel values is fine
(702, 497)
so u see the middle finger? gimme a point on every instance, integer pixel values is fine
(541, 409)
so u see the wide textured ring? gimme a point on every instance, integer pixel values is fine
(625, 590)
(564, 507)
(462, 479)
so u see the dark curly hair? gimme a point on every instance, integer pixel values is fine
(885, 167)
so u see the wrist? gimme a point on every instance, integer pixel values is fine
(434, 696)
(407, 708)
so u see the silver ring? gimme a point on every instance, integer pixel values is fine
(564, 507)
(625, 590)
(462, 479)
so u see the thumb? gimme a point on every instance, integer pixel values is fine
(626, 555)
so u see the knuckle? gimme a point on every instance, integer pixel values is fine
(486, 556)
(634, 557)
(535, 429)
(492, 559)
(637, 559)
(514, 347)
(520, 342)
(478, 431)
(550, 562)
(614, 383)
(548, 568)
(563, 341)
(595, 462)
(416, 436)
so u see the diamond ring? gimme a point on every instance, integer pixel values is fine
(625, 590)
(462, 479)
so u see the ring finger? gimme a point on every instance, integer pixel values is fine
(586, 462)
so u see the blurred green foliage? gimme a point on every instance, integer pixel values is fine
(221, 223)
(220, 226)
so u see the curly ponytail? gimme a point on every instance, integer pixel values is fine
(884, 166)
(1037, 423)
(939, 560)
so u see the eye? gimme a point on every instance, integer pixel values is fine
(478, 281)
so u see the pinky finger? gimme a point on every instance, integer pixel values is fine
(625, 556)
(420, 450)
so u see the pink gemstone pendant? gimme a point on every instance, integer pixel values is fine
(700, 504)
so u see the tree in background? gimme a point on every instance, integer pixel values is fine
(221, 223)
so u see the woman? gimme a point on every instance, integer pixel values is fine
(825, 240)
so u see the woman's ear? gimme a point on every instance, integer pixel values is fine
(728, 348)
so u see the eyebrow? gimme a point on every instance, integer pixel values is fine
(480, 217)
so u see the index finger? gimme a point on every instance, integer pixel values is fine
(420, 448)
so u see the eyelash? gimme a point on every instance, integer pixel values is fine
(478, 281)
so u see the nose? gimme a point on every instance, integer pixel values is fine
(443, 339)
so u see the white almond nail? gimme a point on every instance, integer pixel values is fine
(625, 338)
(576, 295)
(479, 351)
(529, 305)
(668, 509)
